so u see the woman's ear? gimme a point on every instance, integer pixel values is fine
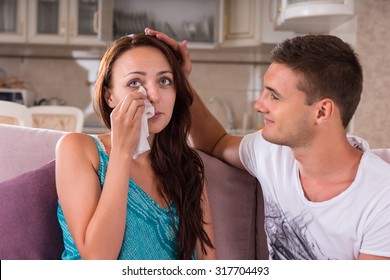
(325, 110)
(108, 97)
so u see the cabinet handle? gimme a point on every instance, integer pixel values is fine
(21, 27)
(62, 27)
(95, 22)
(72, 27)
(271, 10)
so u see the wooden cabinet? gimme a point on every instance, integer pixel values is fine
(311, 16)
(74, 22)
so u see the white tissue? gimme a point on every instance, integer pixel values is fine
(143, 144)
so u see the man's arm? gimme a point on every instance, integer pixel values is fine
(207, 134)
(371, 257)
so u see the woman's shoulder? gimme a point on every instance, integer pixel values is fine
(78, 145)
(75, 139)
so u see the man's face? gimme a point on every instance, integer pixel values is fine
(288, 120)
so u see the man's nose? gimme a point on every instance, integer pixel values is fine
(259, 104)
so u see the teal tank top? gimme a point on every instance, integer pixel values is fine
(149, 233)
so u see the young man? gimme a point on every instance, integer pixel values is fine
(327, 196)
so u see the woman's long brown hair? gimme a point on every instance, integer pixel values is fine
(178, 167)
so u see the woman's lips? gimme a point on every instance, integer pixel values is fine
(157, 114)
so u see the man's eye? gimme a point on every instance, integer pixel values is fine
(273, 96)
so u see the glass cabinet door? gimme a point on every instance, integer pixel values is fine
(47, 21)
(8, 16)
(48, 16)
(90, 22)
(12, 20)
(87, 17)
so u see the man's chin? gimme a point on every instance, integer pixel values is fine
(267, 137)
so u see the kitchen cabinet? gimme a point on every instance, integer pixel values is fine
(13, 14)
(240, 23)
(248, 23)
(203, 23)
(194, 21)
(73, 22)
(311, 16)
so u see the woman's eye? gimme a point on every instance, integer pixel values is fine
(165, 81)
(134, 84)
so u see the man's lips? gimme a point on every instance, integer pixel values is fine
(267, 121)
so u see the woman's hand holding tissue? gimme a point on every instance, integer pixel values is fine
(126, 123)
(143, 144)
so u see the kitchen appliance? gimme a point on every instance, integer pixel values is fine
(18, 95)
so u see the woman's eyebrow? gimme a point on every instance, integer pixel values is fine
(135, 72)
(165, 72)
(144, 74)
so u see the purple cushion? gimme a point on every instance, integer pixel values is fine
(29, 228)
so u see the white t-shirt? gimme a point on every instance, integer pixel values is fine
(356, 221)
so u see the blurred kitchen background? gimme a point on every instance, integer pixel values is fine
(52, 48)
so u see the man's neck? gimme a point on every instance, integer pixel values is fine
(327, 169)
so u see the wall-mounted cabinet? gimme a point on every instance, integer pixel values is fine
(74, 22)
(311, 16)
(194, 21)
(248, 23)
(240, 23)
(203, 23)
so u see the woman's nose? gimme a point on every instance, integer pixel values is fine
(152, 93)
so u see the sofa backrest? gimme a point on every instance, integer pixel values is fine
(23, 149)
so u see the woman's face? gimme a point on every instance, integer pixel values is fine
(147, 67)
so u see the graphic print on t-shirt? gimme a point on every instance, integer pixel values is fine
(287, 235)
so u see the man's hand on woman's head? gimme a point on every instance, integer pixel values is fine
(180, 48)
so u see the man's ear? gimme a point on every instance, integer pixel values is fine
(108, 97)
(325, 110)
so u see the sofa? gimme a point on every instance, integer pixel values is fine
(28, 201)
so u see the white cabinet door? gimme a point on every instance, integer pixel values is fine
(240, 23)
(13, 16)
(47, 21)
(74, 22)
(90, 22)
(312, 16)
(269, 35)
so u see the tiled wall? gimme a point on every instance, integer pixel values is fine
(62, 78)
(237, 83)
(372, 120)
